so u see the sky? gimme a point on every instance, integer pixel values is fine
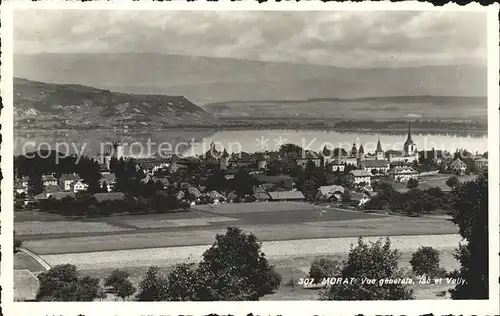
(349, 38)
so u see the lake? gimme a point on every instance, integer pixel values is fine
(194, 142)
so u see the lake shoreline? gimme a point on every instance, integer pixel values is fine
(415, 130)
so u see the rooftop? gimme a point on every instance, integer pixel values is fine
(286, 195)
(72, 177)
(111, 196)
(360, 173)
(375, 163)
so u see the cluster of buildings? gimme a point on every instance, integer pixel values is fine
(170, 170)
(66, 185)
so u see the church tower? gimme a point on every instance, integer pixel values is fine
(379, 152)
(409, 146)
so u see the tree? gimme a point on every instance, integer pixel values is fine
(234, 268)
(375, 172)
(62, 283)
(452, 182)
(115, 278)
(124, 289)
(323, 268)
(181, 283)
(17, 243)
(152, 286)
(470, 212)
(412, 183)
(425, 261)
(274, 167)
(375, 261)
(243, 183)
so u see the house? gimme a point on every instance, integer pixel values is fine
(110, 196)
(108, 179)
(375, 166)
(283, 181)
(194, 191)
(261, 194)
(215, 196)
(309, 155)
(163, 181)
(66, 180)
(359, 198)
(458, 166)
(402, 173)
(267, 187)
(481, 163)
(359, 177)
(21, 185)
(180, 195)
(336, 166)
(286, 196)
(49, 180)
(79, 186)
(261, 161)
(330, 192)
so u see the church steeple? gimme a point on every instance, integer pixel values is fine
(379, 147)
(409, 146)
(408, 138)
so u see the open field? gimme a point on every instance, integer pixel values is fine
(191, 222)
(36, 225)
(273, 250)
(191, 236)
(239, 208)
(38, 228)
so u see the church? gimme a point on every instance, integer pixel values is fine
(407, 155)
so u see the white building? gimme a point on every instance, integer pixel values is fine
(408, 155)
(66, 181)
(359, 176)
(381, 166)
(337, 166)
(458, 166)
(79, 186)
(49, 180)
(403, 173)
(481, 163)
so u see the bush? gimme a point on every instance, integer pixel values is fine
(323, 268)
(425, 261)
(62, 283)
(274, 282)
(375, 261)
(412, 184)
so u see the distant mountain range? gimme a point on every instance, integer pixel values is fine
(48, 105)
(398, 107)
(158, 90)
(206, 80)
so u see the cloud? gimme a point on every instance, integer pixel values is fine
(361, 39)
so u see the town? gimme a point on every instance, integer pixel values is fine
(353, 178)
